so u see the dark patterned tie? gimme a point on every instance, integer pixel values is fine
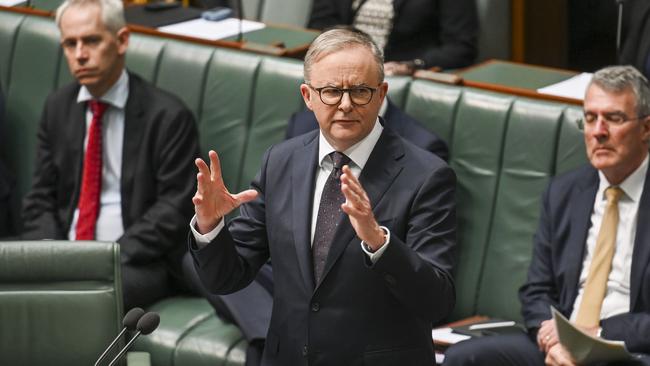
(329, 213)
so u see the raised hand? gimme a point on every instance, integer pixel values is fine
(212, 201)
(357, 206)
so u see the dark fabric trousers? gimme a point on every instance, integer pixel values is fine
(144, 285)
(506, 350)
(248, 308)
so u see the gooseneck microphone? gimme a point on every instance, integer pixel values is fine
(129, 322)
(619, 27)
(147, 324)
(240, 15)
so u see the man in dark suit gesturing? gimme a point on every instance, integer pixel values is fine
(592, 248)
(359, 223)
(113, 157)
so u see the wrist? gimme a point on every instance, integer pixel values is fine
(378, 240)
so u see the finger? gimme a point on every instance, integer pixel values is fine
(202, 166)
(245, 196)
(215, 166)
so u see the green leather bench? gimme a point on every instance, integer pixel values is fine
(503, 148)
(60, 303)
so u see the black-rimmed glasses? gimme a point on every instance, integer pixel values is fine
(331, 95)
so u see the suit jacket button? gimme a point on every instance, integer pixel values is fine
(315, 307)
(305, 351)
(390, 279)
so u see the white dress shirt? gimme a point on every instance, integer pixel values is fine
(617, 295)
(109, 225)
(358, 154)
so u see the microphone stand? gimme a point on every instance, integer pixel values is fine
(619, 28)
(126, 348)
(240, 13)
(119, 336)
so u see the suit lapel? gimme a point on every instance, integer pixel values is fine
(641, 251)
(303, 174)
(580, 221)
(77, 134)
(376, 177)
(133, 136)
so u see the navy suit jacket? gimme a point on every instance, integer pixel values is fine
(360, 313)
(160, 145)
(398, 121)
(559, 249)
(442, 33)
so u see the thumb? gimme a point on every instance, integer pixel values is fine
(245, 196)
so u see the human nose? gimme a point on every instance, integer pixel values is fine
(80, 51)
(346, 102)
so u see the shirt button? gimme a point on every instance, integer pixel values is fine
(305, 351)
(315, 307)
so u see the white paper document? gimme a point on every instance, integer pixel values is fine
(207, 29)
(447, 335)
(574, 87)
(10, 3)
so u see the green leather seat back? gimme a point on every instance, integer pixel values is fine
(49, 5)
(182, 70)
(435, 105)
(143, 55)
(571, 144)
(60, 302)
(293, 12)
(527, 163)
(9, 25)
(477, 142)
(227, 109)
(190, 333)
(30, 81)
(398, 88)
(276, 97)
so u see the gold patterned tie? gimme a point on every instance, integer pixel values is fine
(601, 263)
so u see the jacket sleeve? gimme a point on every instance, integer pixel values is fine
(161, 228)
(40, 204)
(540, 292)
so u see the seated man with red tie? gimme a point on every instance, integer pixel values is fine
(592, 248)
(114, 155)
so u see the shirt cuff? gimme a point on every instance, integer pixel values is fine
(374, 256)
(204, 239)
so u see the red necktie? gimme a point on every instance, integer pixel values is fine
(91, 183)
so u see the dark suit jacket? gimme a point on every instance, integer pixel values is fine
(559, 248)
(360, 313)
(398, 121)
(636, 35)
(160, 145)
(443, 33)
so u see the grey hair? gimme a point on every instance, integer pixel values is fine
(338, 39)
(112, 12)
(618, 79)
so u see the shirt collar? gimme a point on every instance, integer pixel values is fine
(632, 186)
(116, 96)
(358, 153)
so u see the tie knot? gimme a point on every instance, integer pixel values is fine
(98, 108)
(613, 194)
(339, 159)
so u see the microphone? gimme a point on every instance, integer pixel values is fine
(240, 14)
(618, 27)
(129, 322)
(147, 324)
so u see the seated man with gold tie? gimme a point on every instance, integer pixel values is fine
(114, 155)
(592, 247)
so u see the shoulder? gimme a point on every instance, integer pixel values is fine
(153, 97)
(68, 92)
(577, 179)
